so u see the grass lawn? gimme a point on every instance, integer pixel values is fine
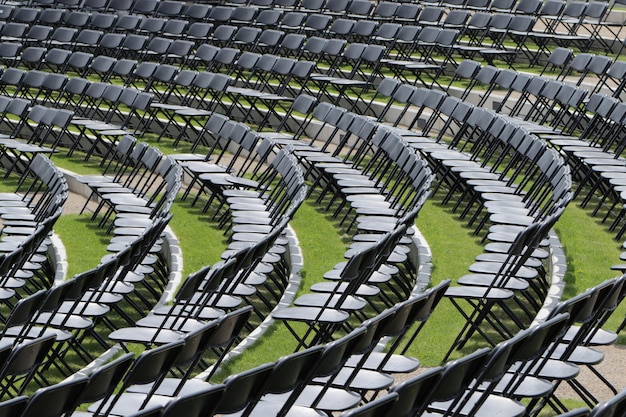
(453, 247)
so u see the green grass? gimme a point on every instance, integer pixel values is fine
(453, 249)
(590, 251)
(84, 242)
(589, 247)
(201, 242)
(323, 245)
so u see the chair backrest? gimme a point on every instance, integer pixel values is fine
(105, 379)
(613, 407)
(458, 374)
(578, 412)
(200, 403)
(24, 310)
(150, 367)
(56, 400)
(228, 331)
(374, 408)
(197, 342)
(293, 369)
(244, 389)
(24, 360)
(414, 393)
(14, 406)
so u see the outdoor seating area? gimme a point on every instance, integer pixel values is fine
(505, 112)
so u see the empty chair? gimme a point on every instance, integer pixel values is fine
(169, 8)
(55, 400)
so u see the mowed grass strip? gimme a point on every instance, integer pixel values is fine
(323, 245)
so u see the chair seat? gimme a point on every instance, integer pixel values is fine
(145, 335)
(334, 399)
(395, 364)
(362, 291)
(485, 280)
(350, 303)
(129, 403)
(364, 380)
(207, 313)
(35, 332)
(493, 406)
(271, 408)
(529, 387)
(169, 385)
(167, 322)
(311, 314)
(600, 338)
(478, 293)
(495, 267)
(582, 355)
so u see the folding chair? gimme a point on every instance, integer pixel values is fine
(78, 63)
(169, 8)
(385, 11)
(151, 366)
(143, 7)
(102, 21)
(609, 407)
(413, 394)
(28, 15)
(13, 406)
(201, 403)
(58, 399)
(22, 365)
(37, 34)
(377, 407)
(198, 33)
(14, 32)
(10, 53)
(558, 60)
(56, 60)
(292, 21)
(87, 40)
(269, 40)
(52, 84)
(51, 16)
(132, 46)
(430, 16)
(76, 19)
(196, 12)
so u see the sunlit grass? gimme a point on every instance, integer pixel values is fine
(85, 243)
(322, 245)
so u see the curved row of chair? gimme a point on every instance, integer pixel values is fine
(259, 391)
(331, 377)
(409, 179)
(488, 37)
(331, 187)
(122, 239)
(363, 10)
(513, 211)
(586, 134)
(28, 216)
